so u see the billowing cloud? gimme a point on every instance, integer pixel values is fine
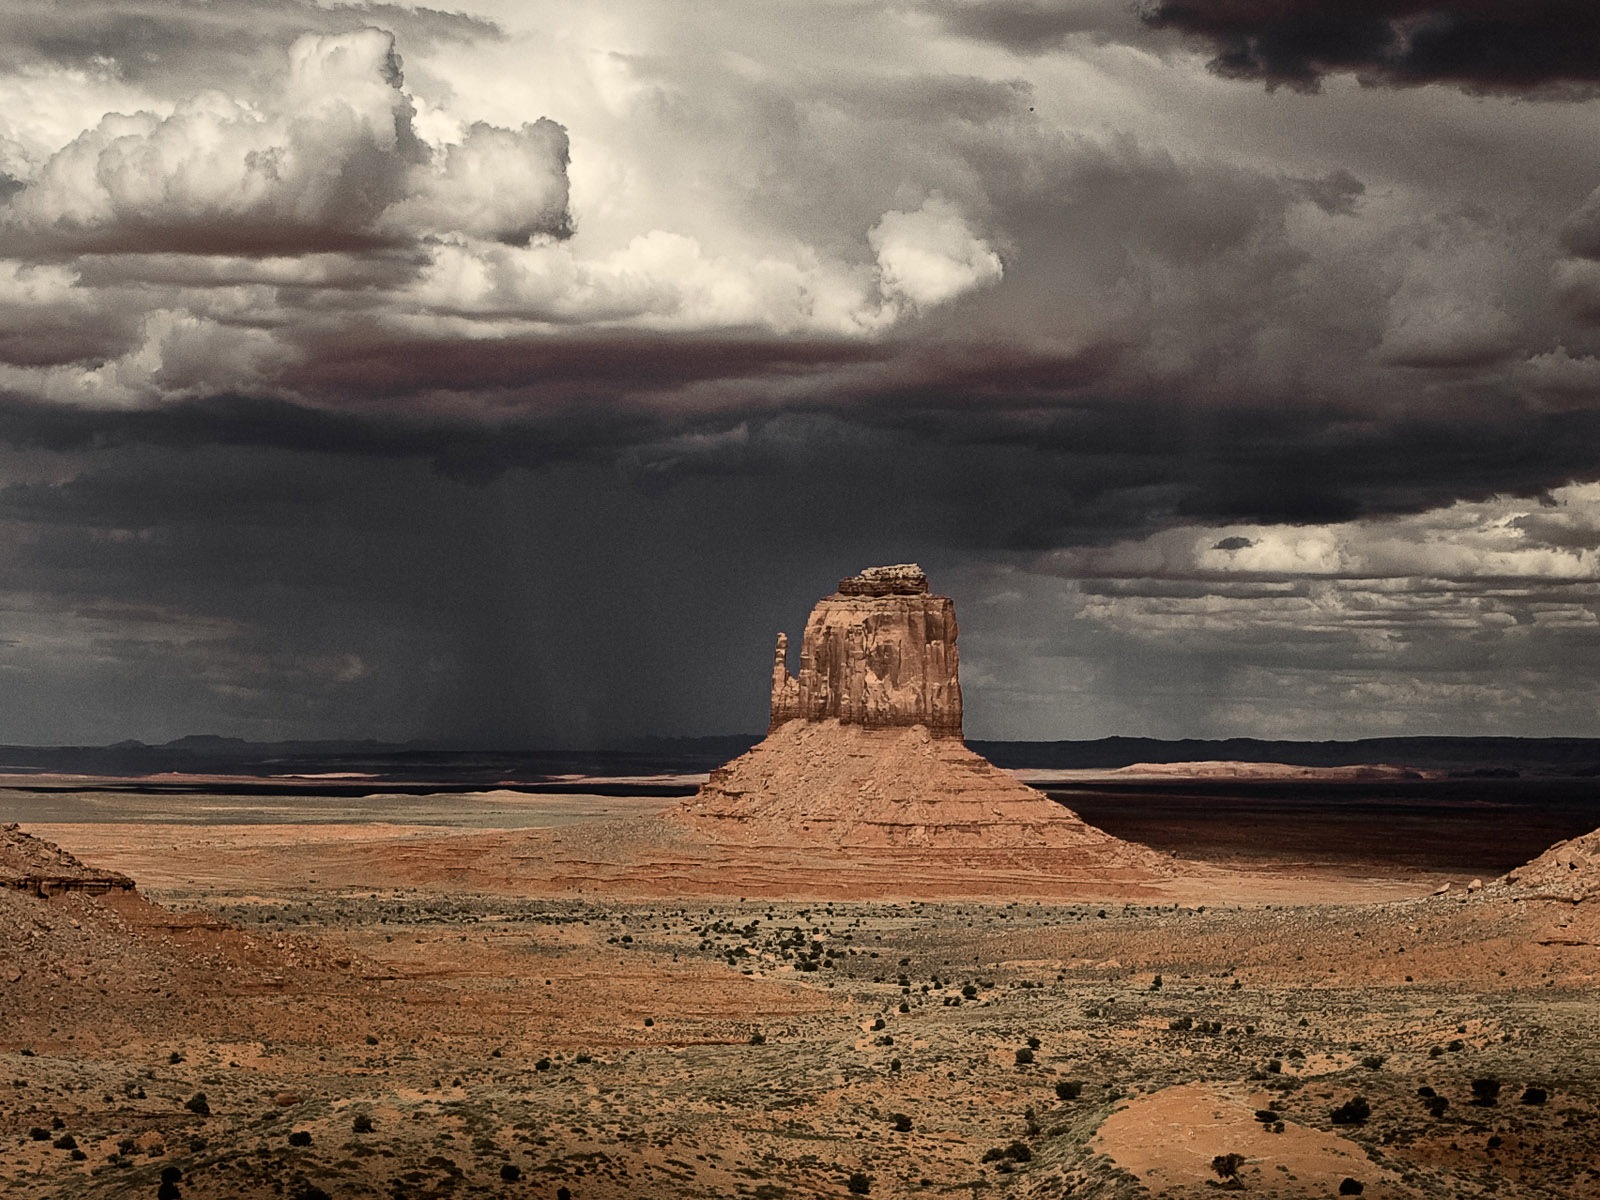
(329, 161)
(1554, 539)
(931, 255)
(506, 185)
(177, 46)
(373, 334)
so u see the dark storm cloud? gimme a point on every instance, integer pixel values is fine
(184, 44)
(363, 424)
(39, 335)
(471, 450)
(1032, 27)
(368, 361)
(567, 604)
(1515, 46)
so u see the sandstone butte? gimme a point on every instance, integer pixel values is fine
(864, 751)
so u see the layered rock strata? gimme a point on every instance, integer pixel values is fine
(879, 653)
(33, 865)
(825, 784)
(864, 755)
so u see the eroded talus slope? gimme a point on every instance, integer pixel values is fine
(1569, 870)
(842, 785)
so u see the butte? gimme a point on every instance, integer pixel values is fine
(864, 764)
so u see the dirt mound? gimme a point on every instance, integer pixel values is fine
(1569, 870)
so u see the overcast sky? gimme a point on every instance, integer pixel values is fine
(513, 375)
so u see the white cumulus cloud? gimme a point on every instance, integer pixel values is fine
(327, 159)
(931, 255)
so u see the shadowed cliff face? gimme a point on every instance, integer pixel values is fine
(40, 868)
(879, 653)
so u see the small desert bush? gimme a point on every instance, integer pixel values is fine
(1352, 1112)
(1227, 1165)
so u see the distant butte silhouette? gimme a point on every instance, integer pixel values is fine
(864, 749)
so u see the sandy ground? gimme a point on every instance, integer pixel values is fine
(574, 856)
(405, 1010)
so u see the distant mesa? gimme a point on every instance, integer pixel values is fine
(864, 751)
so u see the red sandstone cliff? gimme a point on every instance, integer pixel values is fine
(879, 653)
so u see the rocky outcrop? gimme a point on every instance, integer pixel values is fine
(33, 865)
(879, 653)
(1569, 870)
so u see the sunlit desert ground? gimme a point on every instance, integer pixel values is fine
(498, 994)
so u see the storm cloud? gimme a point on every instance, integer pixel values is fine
(514, 375)
(1512, 46)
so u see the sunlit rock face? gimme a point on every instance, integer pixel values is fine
(879, 653)
(864, 755)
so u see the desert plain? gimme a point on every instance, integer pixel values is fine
(507, 994)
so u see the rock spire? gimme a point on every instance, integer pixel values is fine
(879, 653)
